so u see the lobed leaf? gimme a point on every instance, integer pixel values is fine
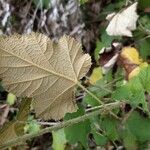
(33, 66)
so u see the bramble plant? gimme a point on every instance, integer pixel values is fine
(45, 78)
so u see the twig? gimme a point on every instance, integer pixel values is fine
(64, 124)
(96, 98)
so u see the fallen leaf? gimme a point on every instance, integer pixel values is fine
(15, 127)
(131, 54)
(122, 23)
(33, 66)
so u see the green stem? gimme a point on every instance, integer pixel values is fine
(96, 98)
(90, 93)
(64, 124)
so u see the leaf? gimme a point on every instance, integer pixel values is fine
(144, 76)
(129, 140)
(59, 140)
(99, 89)
(100, 139)
(144, 47)
(32, 126)
(15, 128)
(96, 75)
(131, 54)
(122, 23)
(8, 132)
(110, 126)
(77, 132)
(144, 3)
(139, 126)
(11, 98)
(33, 66)
(99, 46)
(131, 92)
(122, 93)
(42, 3)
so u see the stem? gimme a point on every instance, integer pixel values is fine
(96, 98)
(90, 93)
(64, 124)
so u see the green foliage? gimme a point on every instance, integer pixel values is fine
(134, 90)
(99, 46)
(77, 132)
(42, 3)
(144, 47)
(109, 126)
(131, 130)
(32, 126)
(11, 98)
(100, 89)
(83, 1)
(59, 140)
(144, 77)
(144, 3)
(139, 127)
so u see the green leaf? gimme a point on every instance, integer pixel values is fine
(106, 39)
(11, 98)
(144, 77)
(144, 47)
(99, 46)
(144, 3)
(100, 90)
(32, 126)
(42, 3)
(110, 126)
(139, 126)
(100, 139)
(131, 92)
(122, 93)
(59, 140)
(138, 93)
(129, 140)
(83, 1)
(78, 132)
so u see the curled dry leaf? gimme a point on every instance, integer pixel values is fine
(122, 23)
(33, 66)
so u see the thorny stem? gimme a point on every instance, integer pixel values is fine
(64, 124)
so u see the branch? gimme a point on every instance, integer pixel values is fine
(96, 98)
(64, 124)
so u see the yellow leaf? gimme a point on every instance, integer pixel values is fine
(96, 75)
(33, 66)
(131, 54)
(135, 71)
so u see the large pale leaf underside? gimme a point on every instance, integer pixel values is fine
(33, 66)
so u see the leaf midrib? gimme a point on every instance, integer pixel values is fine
(33, 64)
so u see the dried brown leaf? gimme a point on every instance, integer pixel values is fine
(15, 128)
(33, 66)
